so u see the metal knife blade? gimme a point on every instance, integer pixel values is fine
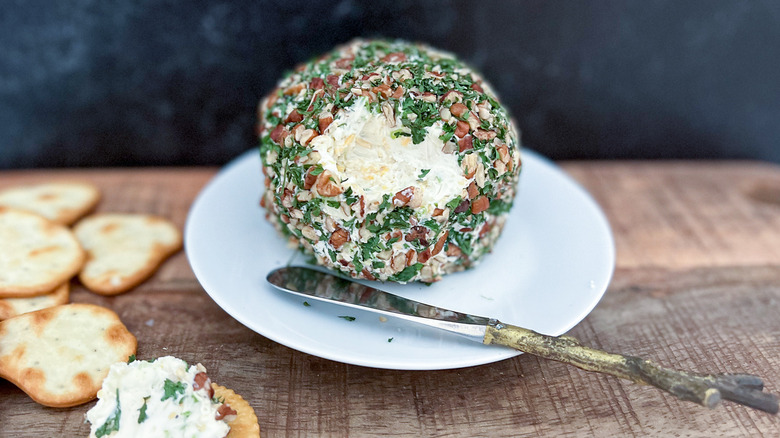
(704, 389)
(327, 287)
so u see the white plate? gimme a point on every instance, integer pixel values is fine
(548, 270)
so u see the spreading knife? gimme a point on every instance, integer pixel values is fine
(705, 389)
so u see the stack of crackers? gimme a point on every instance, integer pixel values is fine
(59, 353)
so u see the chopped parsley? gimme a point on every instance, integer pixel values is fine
(172, 389)
(142, 412)
(112, 423)
(422, 174)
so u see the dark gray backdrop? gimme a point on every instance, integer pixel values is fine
(96, 82)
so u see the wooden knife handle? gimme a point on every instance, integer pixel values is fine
(704, 389)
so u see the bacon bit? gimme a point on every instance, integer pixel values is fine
(367, 275)
(294, 116)
(225, 411)
(403, 196)
(399, 91)
(339, 238)
(484, 135)
(464, 205)
(461, 129)
(440, 243)
(438, 212)
(453, 250)
(411, 257)
(394, 57)
(362, 206)
(309, 179)
(473, 191)
(458, 109)
(424, 255)
(476, 87)
(332, 80)
(465, 143)
(324, 122)
(466, 230)
(485, 229)
(317, 84)
(344, 262)
(480, 204)
(285, 218)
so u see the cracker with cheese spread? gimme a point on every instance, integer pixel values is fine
(163, 397)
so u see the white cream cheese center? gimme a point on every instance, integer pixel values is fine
(358, 148)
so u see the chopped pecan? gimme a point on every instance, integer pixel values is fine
(424, 255)
(309, 179)
(458, 109)
(452, 96)
(394, 57)
(279, 133)
(326, 186)
(339, 238)
(367, 275)
(317, 83)
(382, 90)
(465, 143)
(476, 87)
(411, 257)
(417, 232)
(294, 117)
(484, 135)
(437, 212)
(403, 196)
(324, 122)
(332, 80)
(463, 206)
(480, 204)
(461, 129)
(485, 229)
(473, 191)
(294, 89)
(225, 411)
(399, 91)
(440, 243)
(453, 250)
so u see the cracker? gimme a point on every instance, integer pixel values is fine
(59, 356)
(245, 424)
(124, 249)
(10, 307)
(36, 255)
(61, 202)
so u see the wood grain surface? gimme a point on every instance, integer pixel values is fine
(697, 286)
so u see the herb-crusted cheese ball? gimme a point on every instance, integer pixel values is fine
(388, 161)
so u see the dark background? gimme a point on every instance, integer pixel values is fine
(96, 82)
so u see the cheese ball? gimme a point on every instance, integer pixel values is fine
(388, 161)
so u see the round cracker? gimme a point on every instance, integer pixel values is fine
(124, 249)
(245, 424)
(61, 202)
(59, 356)
(10, 307)
(36, 255)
